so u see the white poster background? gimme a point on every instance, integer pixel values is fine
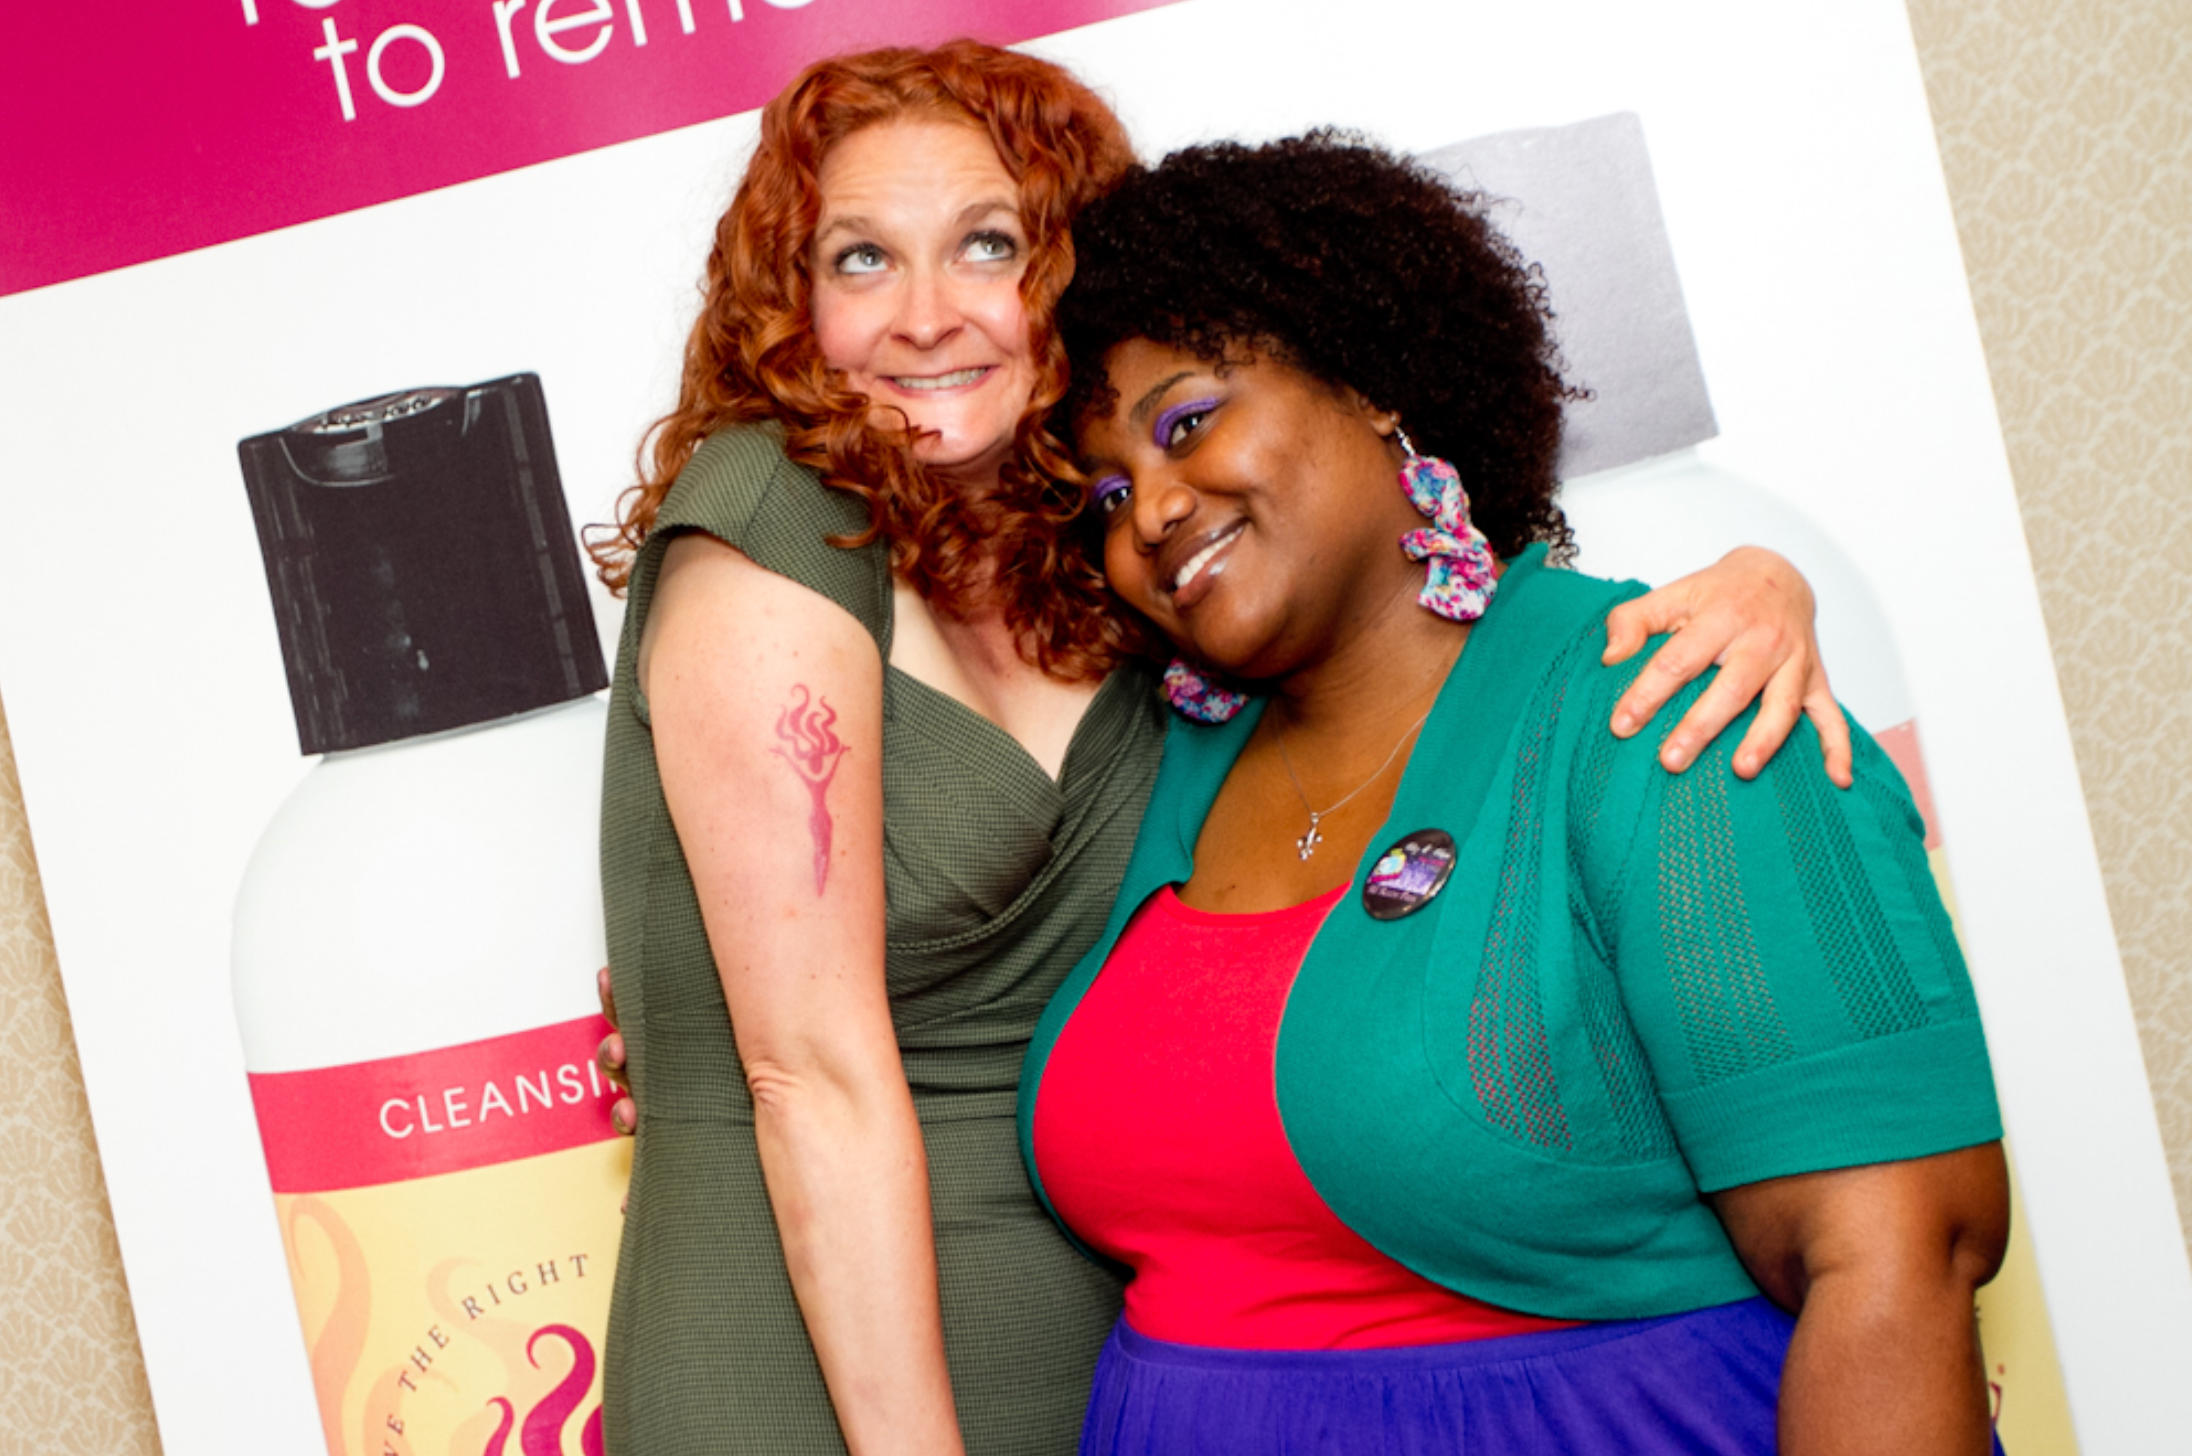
(1796, 166)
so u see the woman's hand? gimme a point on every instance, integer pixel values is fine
(1880, 1264)
(609, 1056)
(1751, 614)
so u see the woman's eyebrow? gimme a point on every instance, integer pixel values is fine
(1147, 404)
(976, 211)
(845, 224)
(972, 213)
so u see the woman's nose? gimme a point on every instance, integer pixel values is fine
(1159, 504)
(928, 313)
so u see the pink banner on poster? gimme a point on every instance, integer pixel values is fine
(437, 1111)
(133, 133)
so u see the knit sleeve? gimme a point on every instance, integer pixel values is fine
(1783, 956)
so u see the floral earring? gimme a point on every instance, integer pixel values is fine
(1458, 578)
(1194, 691)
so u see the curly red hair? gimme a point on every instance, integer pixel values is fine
(752, 354)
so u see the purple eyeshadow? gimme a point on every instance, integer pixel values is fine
(1162, 431)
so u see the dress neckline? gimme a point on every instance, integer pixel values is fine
(1169, 901)
(1010, 750)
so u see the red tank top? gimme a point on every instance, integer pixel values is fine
(1158, 1136)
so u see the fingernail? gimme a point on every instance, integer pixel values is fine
(1624, 722)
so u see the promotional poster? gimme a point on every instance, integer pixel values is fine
(319, 846)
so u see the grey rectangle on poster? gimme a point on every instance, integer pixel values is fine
(1579, 201)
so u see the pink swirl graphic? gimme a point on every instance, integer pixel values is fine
(501, 1438)
(543, 1433)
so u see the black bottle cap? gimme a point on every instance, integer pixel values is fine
(422, 565)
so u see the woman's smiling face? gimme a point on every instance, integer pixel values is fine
(917, 260)
(1249, 509)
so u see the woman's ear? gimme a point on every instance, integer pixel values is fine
(1384, 421)
(1387, 424)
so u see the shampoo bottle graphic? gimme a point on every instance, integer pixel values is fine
(417, 933)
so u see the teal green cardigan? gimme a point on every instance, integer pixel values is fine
(1636, 988)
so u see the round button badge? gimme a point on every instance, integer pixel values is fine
(1409, 875)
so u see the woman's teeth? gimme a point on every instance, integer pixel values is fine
(1202, 558)
(940, 381)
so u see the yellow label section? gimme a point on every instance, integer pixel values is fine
(462, 1315)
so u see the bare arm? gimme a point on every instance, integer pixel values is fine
(1751, 615)
(767, 707)
(1880, 1264)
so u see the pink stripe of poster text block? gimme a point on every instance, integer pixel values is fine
(129, 133)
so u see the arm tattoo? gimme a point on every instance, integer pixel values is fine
(806, 742)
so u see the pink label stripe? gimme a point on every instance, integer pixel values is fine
(1900, 744)
(133, 134)
(434, 1112)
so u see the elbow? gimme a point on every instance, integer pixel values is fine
(1972, 1265)
(823, 1130)
(826, 1084)
(1944, 1238)
(1931, 1226)
(781, 1090)
(1980, 1240)
(799, 1091)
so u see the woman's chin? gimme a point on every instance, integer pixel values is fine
(1232, 661)
(1248, 641)
(957, 458)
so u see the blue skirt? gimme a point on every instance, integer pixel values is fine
(1698, 1384)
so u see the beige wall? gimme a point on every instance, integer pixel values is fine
(2066, 133)
(2066, 130)
(71, 1380)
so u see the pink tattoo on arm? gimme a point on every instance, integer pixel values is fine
(809, 745)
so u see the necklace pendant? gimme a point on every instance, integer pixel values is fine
(1307, 844)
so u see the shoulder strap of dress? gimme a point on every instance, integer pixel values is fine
(741, 488)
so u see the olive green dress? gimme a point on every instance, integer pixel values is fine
(998, 878)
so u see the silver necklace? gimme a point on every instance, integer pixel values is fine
(1307, 844)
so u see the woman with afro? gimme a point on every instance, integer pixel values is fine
(1448, 1078)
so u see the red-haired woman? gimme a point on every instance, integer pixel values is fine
(876, 757)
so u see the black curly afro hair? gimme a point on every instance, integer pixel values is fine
(1356, 265)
